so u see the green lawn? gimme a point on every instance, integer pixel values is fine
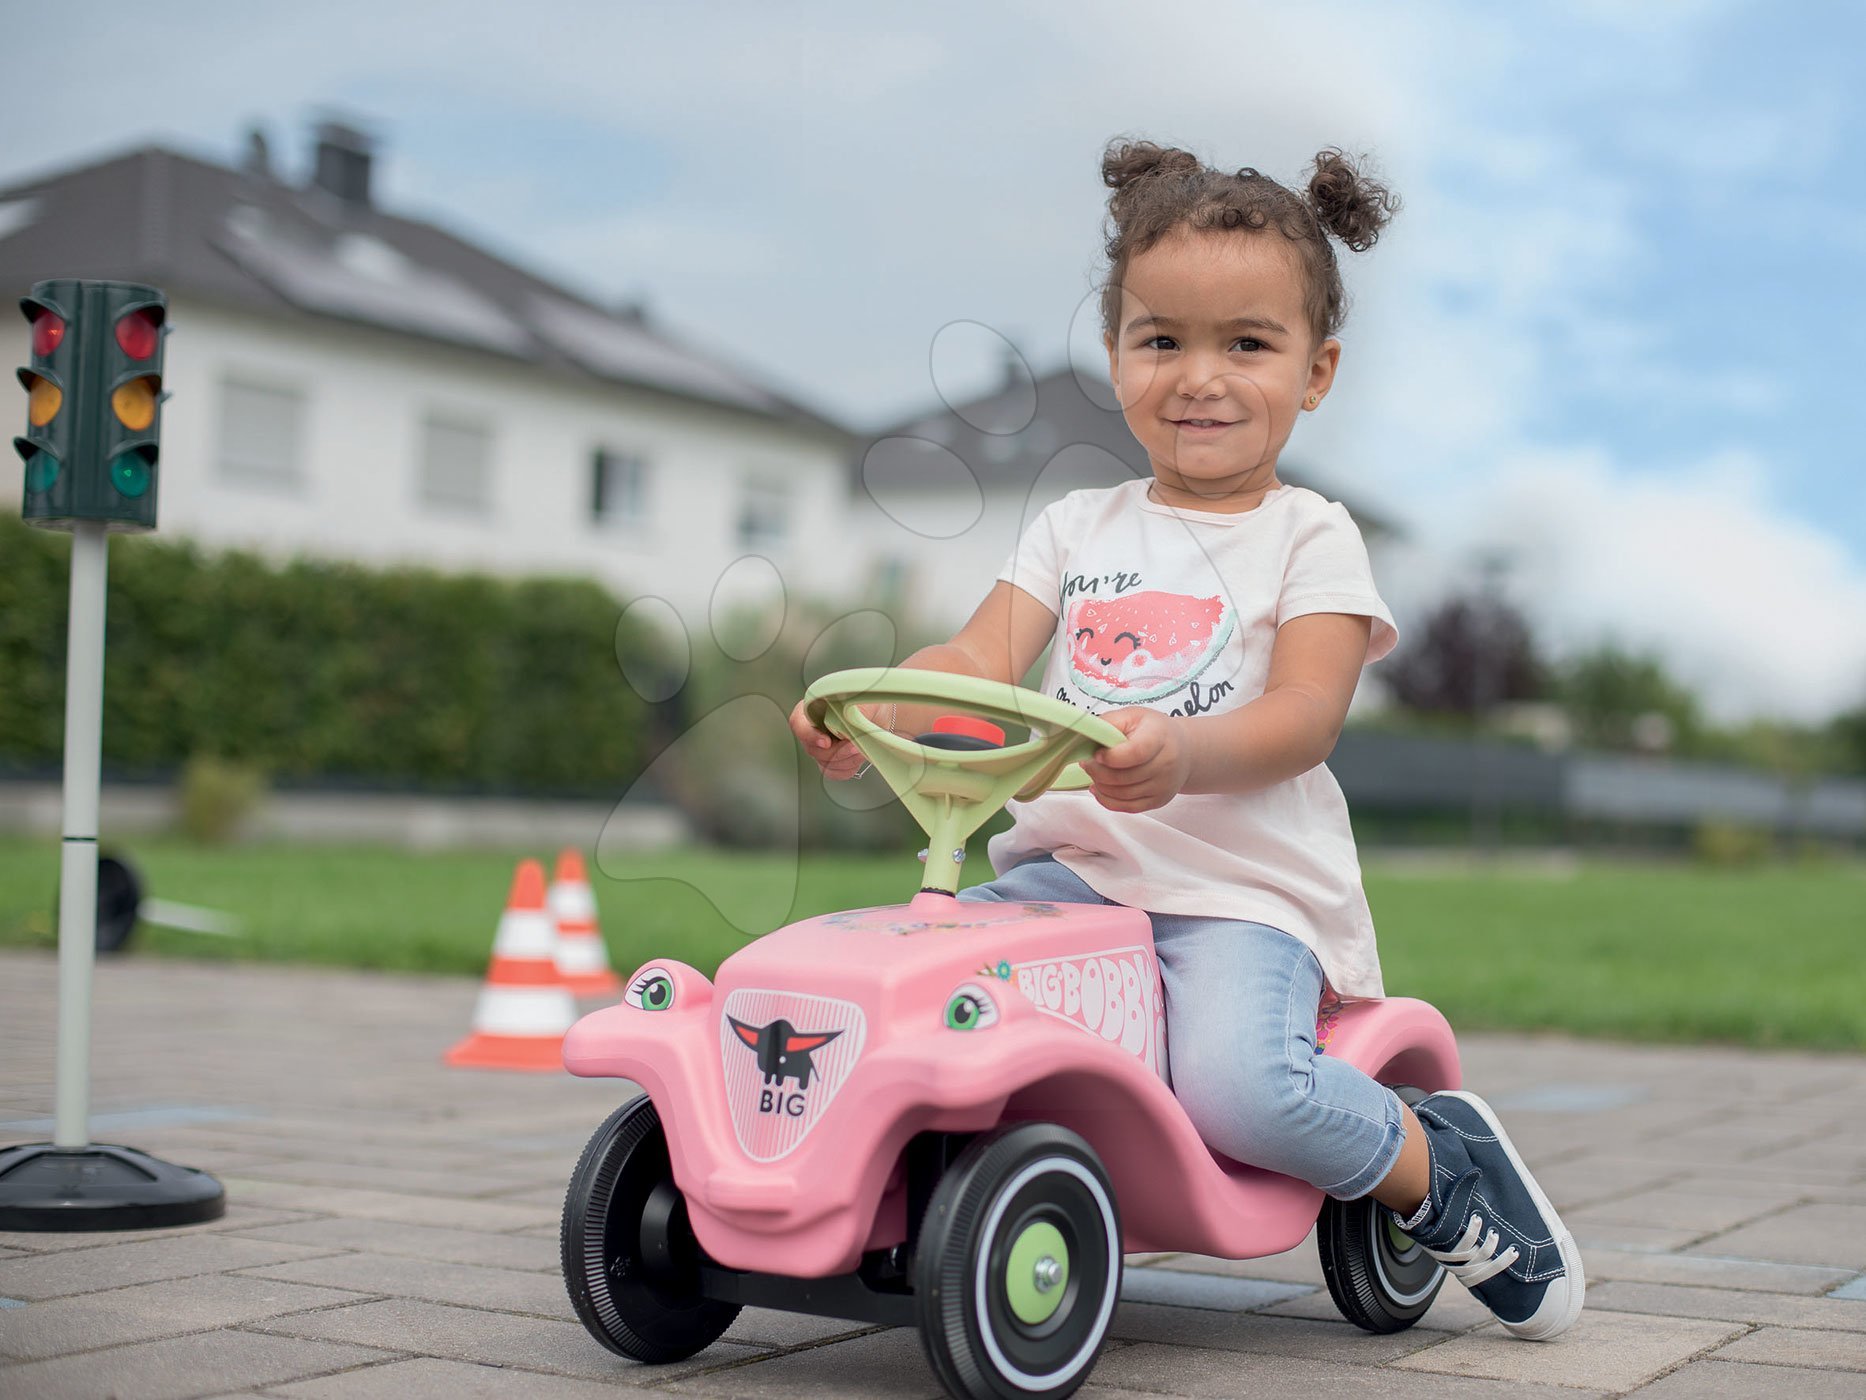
(1773, 956)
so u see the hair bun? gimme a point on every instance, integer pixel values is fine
(1124, 162)
(1347, 203)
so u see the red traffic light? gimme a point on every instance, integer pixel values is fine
(139, 332)
(48, 328)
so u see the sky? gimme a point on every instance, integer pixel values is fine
(1611, 336)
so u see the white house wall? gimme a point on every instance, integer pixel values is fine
(367, 395)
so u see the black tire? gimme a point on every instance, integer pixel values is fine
(631, 1262)
(1026, 1191)
(1380, 1279)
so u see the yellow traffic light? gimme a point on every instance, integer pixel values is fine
(45, 398)
(135, 402)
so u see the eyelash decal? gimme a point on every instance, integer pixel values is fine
(652, 991)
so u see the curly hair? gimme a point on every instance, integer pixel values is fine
(1160, 188)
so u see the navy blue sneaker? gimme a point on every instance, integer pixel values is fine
(1485, 1219)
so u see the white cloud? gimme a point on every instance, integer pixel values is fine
(1758, 613)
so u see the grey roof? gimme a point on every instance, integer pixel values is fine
(248, 240)
(1066, 420)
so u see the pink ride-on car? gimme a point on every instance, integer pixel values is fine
(942, 1115)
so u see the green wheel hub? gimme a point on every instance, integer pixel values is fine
(1400, 1240)
(1037, 1273)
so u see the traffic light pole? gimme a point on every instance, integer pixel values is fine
(91, 458)
(77, 886)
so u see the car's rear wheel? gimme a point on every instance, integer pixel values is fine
(631, 1263)
(1018, 1265)
(1379, 1277)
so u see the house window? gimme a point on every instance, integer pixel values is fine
(764, 513)
(456, 464)
(261, 433)
(618, 487)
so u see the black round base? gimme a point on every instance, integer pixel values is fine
(101, 1187)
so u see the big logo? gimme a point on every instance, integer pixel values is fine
(779, 1079)
(1114, 994)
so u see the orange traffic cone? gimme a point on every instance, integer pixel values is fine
(524, 1008)
(582, 960)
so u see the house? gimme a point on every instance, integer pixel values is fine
(350, 383)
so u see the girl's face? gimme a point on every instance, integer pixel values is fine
(1212, 328)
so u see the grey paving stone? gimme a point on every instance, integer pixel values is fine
(772, 1329)
(1687, 1206)
(1726, 1305)
(493, 1251)
(1194, 1371)
(239, 1216)
(428, 1378)
(1602, 1351)
(1833, 1235)
(1797, 1346)
(421, 1180)
(1728, 1380)
(489, 1338)
(88, 1321)
(180, 1368)
(886, 1365)
(431, 1280)
(118, 1266)
(1593, 1234)
(1216, 1292)
(450, 1212)
(1583, 1181)
(1710, 1271)
(1264, 1333)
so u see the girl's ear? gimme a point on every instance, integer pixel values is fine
(1322, 366)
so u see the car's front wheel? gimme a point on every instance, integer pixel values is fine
(631, 1262)
(1018, 1265)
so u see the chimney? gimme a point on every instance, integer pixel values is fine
(258, 160)
(343, 160)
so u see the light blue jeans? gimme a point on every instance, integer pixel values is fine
(1241, 1000)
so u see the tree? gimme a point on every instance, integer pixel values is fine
(1848, 735)
(1610, 693)
(1469, 656)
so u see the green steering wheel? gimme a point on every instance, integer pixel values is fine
(953, 792)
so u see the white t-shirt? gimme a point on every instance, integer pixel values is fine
(1178, 610)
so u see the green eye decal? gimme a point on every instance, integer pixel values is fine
(652, 991)
(971, 1009)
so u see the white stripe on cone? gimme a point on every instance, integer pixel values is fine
(545, 1011)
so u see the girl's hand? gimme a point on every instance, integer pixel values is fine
(1149, 769)
(838, 758)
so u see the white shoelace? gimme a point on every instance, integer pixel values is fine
(1470, 1262)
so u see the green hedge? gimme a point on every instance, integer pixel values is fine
(324, 670)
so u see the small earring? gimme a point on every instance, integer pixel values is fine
(1313, 400)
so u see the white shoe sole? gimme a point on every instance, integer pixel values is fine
(1561, 1304)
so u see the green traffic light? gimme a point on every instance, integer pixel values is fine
(129, 473)
(41, 471)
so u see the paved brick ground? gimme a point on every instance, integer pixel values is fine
(393, 1225)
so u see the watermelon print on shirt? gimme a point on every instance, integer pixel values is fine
(1143, 646)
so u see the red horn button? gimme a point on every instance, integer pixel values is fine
(971, 728)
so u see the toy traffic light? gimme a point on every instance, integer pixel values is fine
(94, 396)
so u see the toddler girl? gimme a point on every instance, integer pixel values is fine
(1220, 618)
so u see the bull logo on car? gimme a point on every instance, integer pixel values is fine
(783, 1051)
